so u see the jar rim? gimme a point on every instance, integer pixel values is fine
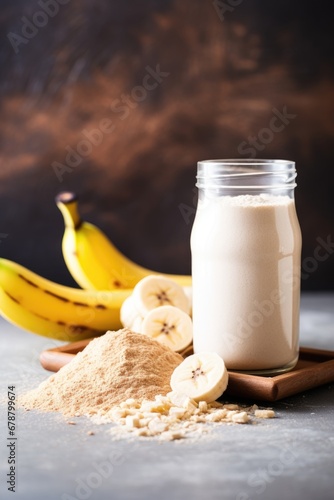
(243, 172)
(247, 161)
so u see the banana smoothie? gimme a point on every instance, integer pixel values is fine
(246, 274)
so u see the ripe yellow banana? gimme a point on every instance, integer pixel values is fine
(93, 261)
(46, 308)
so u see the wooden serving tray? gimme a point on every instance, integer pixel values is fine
(314, 368)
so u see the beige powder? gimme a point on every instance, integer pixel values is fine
(112, 368)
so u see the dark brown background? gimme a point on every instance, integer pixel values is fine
(226, 76)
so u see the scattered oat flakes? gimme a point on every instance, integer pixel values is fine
(240, 417)
(175, 417)
(264, 413)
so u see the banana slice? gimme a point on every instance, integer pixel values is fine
(137, 325)
(188, 290)
(202, 377)
(154, 291)
(169, 326)
(129, 313)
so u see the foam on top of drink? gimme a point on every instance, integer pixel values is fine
(248, 200)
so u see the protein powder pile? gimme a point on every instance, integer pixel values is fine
(112, 368)
(124, 377)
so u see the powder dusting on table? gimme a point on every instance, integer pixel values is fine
(112, 368)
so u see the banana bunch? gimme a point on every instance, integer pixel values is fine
(93, 261)
(47, 308)
(116, 292)
(159, 308)
(64, 313)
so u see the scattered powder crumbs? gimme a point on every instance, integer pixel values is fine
(174, 417)
(264, 413)
(123, 378)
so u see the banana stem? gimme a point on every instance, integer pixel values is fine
(67, 203)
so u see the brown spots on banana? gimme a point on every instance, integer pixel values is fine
(48, 292)
(77, 329)
(76, 303)
(39, 316)
(31, 283)
(97, 306)
(56, 296)
(12, 298)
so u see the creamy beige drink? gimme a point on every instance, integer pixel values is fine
(246, 274)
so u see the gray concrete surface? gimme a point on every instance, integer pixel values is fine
(291, 456)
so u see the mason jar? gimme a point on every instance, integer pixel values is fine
(246, 252)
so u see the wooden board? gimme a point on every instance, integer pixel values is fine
(314, 368)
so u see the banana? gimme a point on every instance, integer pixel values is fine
(47, 308)
(94, 262)
(154, 291)
(169, 326)
(201, 376)
(188, 290)
(129, 314)
(137, 325)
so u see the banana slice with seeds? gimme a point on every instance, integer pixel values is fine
(154, 291)
(170, 326)
(202, 377)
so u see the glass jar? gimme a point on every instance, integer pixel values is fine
(246, 251)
